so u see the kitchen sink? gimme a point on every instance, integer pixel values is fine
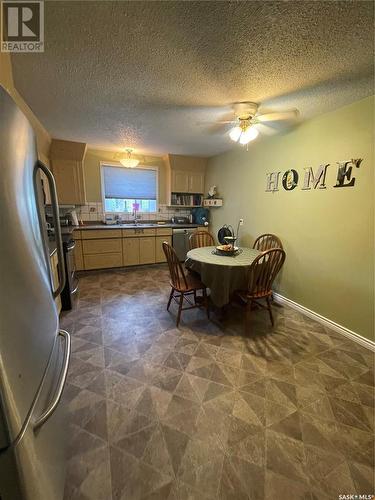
(132, 225)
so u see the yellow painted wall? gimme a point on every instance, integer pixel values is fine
(328, 234)
(6, 80)
(92, 173)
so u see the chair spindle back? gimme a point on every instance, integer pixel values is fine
(263, 272)
(200, 239)
(178, 278)
(266, 242)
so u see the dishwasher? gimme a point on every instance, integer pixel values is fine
(180, 241)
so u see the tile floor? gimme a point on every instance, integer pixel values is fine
(205, 411)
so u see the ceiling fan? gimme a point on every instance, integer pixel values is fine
(247, 118)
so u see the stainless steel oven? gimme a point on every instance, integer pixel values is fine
(69, 292)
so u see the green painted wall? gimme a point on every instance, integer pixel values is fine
(328, 234)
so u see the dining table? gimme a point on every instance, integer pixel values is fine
(222, 274)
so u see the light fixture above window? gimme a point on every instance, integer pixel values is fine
(128, 161)
(244, 132)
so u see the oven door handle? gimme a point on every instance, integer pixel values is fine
(56, 223)
(71, 247)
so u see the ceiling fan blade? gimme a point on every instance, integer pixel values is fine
(218, 128)
(277, 116)
(266, 129)
(219, 122)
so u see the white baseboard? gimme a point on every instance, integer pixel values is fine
(369, 344)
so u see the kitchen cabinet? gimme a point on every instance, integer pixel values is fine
(105, 248)
(94, 234)
(78, 256)
(67, 167)
(69, 180)
(102, 261)
(159, 253)
(147, 250)
(101, 246)
(196, 182)
(180, 181)
(130, 251)
(184, 181)
(130, 233)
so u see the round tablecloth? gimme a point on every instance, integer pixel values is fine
(221, 274)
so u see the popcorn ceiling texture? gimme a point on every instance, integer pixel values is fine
(152, 74)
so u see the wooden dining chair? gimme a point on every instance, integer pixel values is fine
(183, 285)
(200, 239)
(266, 242)
(262, 274)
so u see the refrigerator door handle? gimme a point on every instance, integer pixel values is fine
(60, 386)
(56, 223)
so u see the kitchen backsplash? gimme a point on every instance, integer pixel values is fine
(94, 212)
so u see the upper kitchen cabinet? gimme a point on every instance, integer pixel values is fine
(186, 176)
(196, 182)
(67, 167)
(187, 182)
(179, 181)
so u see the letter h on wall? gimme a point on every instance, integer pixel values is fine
(272, 183)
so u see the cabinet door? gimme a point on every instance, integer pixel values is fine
(147, 250)
(130, 250)
(96, 234)
(159, 253)
(196, 182)
(180, 181)
(78, 257)
(102, 260)
(69, 181)
(101, 246)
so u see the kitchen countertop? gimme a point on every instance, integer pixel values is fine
(144, 225)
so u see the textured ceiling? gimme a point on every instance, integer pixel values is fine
(151, 75)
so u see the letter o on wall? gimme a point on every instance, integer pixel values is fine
(290, 180)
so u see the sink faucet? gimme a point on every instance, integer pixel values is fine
(135, 217)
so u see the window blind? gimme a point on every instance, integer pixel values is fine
(132, 183)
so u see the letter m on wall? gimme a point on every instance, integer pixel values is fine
(317, 180)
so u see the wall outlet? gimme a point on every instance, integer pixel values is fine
(241, 222)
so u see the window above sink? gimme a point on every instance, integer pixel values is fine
(122, 188)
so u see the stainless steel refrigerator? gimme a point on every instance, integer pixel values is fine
(34, 353)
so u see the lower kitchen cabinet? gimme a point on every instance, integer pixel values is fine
(106, 248)
(159, 253)
(130, 251)
(147, 250)
(102, 261)
(78, 256)
(102, 246)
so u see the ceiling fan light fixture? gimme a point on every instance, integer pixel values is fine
(235, 133)
(128, 161)
(243, 133)
(248, 135)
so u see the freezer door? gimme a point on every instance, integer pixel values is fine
(34, 467)
(28, 316)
